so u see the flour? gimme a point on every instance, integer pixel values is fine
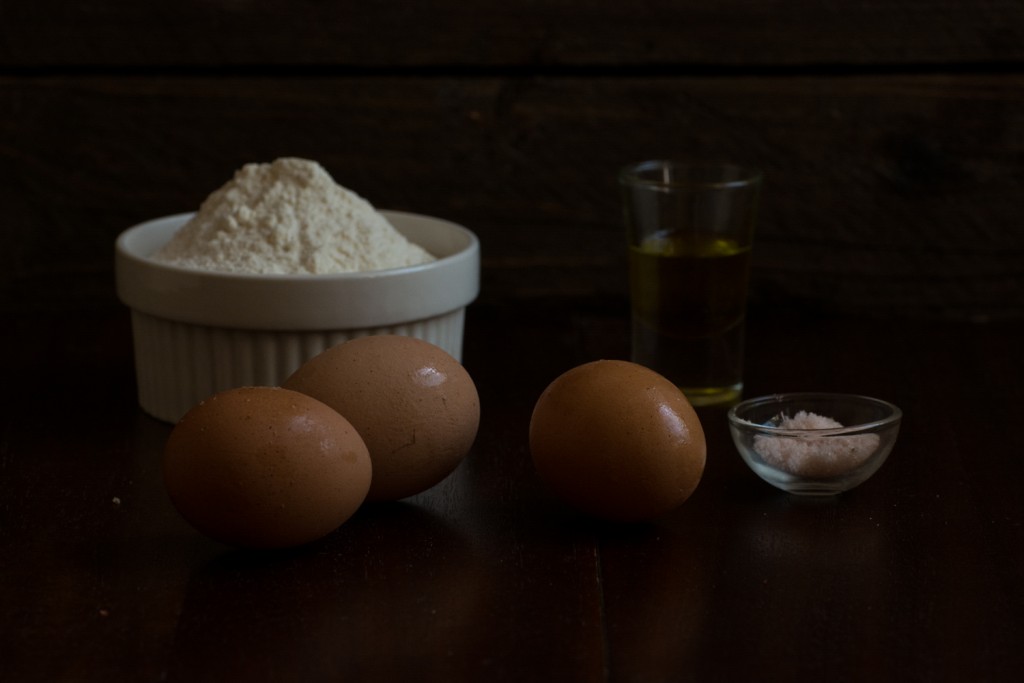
(814, 456)
(288, 217)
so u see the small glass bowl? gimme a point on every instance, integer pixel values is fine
(791, 441)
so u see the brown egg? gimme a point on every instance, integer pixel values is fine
(264, 467)
(415, 406)
(617, 440)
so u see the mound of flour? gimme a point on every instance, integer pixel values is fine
(288, 217)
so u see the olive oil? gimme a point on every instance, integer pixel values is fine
(688, 297)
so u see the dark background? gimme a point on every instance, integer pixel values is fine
(891, 133)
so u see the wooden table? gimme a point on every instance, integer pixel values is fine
(916, 575)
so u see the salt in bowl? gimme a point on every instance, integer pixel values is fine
(792, 441)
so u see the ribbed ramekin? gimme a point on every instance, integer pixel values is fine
(199, 332)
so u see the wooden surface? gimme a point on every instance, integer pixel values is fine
(889, 133)
(534, 33)
(913, 576)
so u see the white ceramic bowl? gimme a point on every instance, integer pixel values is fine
(198, 332)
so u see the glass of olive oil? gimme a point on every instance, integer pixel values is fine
(691, 230)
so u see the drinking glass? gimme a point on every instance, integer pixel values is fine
(690, 231)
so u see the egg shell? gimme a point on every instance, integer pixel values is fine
(415, 406)
(617, 440)
(265, 467)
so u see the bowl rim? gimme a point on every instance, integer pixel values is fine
(333, 301)
(895, 414)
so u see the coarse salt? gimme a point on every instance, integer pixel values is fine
(814, 456)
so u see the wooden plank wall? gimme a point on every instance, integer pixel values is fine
(891, 133)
